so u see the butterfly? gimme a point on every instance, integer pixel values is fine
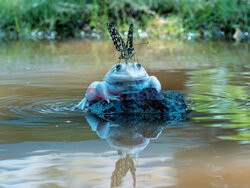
(125, 49)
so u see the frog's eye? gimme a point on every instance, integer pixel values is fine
(118, 67)
(138, 65)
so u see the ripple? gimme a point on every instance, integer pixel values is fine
(29, 109)
(63, 106)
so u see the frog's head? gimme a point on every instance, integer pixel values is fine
(123, 72)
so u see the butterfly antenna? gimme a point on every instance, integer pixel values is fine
(141, 43)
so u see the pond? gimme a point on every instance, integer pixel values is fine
(45, 142)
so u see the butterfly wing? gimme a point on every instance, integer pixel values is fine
(116, 38)
(130, 37)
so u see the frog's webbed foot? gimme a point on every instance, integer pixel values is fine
(154, 83)
(83, 104)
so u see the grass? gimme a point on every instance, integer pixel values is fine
(60, 19)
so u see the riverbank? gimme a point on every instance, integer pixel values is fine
(50, 20)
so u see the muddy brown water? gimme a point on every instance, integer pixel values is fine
(44, 142)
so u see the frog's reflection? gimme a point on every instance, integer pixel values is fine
(128, 135)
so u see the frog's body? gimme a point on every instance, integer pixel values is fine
(121, 78)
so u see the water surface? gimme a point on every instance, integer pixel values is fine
(45, 142)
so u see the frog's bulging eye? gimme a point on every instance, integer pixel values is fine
(118, 67)
(138, 65)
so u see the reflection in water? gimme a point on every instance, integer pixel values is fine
(122, 167)
(224, 92)
(128, 135)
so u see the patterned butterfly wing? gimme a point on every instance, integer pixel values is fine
(129, 44)
(130, 37)
(116, 38)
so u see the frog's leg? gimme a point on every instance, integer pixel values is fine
(102, 91)
(101, 127)
(81, 105)
(96, 91)
(154, 83)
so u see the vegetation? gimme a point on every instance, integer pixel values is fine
(50, 19)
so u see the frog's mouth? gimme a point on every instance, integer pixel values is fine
(121, 79)
(134, 85)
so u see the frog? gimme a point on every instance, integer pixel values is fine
(122, 78)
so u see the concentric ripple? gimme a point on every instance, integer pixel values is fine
(31, 110)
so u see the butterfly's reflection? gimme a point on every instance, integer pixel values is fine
(128, 135)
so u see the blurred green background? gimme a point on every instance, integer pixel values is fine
(64, 19)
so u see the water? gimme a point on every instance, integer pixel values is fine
(45, 142)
